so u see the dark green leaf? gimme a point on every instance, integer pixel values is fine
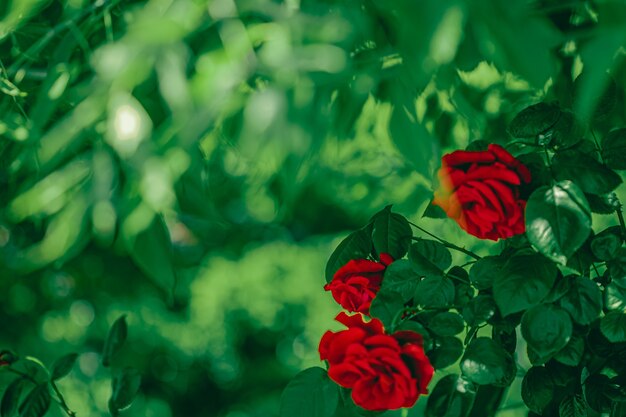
(63, 366)
(614, 149)
(446, 324)
(385, 306)
(452, 397)
(594, 390)
(449, 349)
(572, 406)
(613, 326)
(537, 389)
(434, 212)
(534, 120)
(615, 297)
(567, 131)
(11, 397)
(357, 245)
(546, 328)
(430, 258)
(435, 292)
(479, 310)
(310, 394)
(37, 402)
(523, 282)
(601, 204)
(115, 340)
(485, 270)
(572, 353)
(410, 137)
(391, 233)
(606, 244)
(590, 175)
(487, 363)
(559, 289)
(401, 277)
(124, 386)
(558, 220)
(477, 145)
(583, 301)
(151, 250)
(617, 268)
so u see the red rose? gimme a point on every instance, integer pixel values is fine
(355, 284)
(385, 372)
(480, 190)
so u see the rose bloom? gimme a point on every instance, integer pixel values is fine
(481, 192)
(355, 284)
(385, 372)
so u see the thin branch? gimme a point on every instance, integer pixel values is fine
(61, 400)
(446, 243)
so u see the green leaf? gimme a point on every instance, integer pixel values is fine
(601, 204)
(558, 220)
(523, 282)
(572, 406)
(391, 233)
(62, 366)
(430, 258)
(590, 175)
(125, 386)
(583, 301)
(479, 310)
(434, 212)
(617, 268)
(385, 306)
(151, 250)
(594, 392)
(446, 324)
(534, 120)
(613, 326)
(357, 245)
(546, 328)
(115, 340)
(487, 363)
(37, 402)
(11, 397)
(614, 149)
(310, 394)
(567, 131)
(435, 292)
(606, 244)
(401, 277)
(537, 389)
(572, 353)
(477, 145)
(615, 297)
(448, 350)
(410, 137)
(453, 396)
(484, 271)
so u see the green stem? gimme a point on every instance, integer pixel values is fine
(61, 400)
(23, 375)
(446, 243)
(620, 217)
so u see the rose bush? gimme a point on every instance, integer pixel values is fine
(554, 297)
(385, 372)
(480, 190)
(355, 284)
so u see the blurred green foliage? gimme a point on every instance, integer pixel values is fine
(192, 163)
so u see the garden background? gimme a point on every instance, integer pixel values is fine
(191, 164)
